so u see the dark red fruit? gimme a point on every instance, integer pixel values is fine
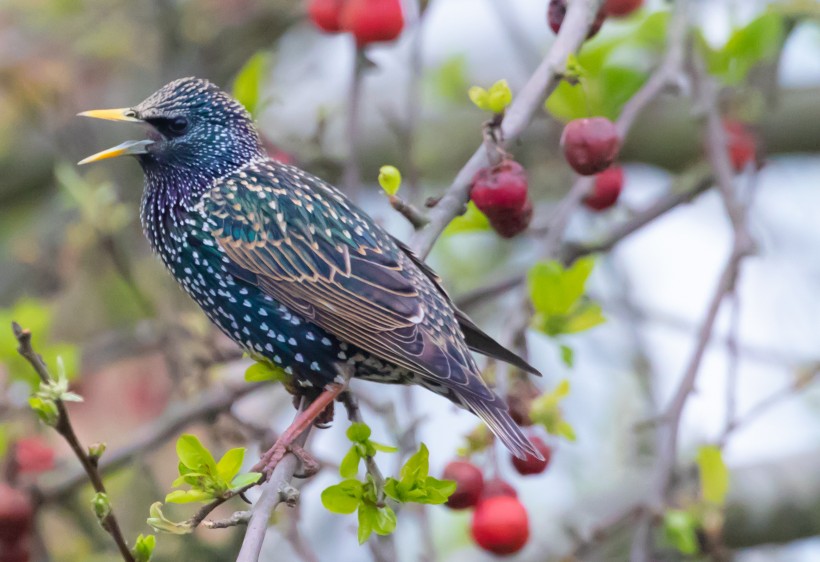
(469, 484)
(741, 143)
(558, 9)
(510, 223)
(32, 454)
(500, 525)
(325, 14)
(500, 188)
(17, 551)
(16, 514)
(590, 144)
(532, 465)
(497, 487)
(620, 8)
(371, 21)
(607, 189)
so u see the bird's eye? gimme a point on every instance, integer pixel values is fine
(178, 126)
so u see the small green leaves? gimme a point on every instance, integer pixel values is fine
(95, 451)
(714, 476)
(159, 522)
(101, 505)
(44, 401)
(557, 295)
(359, 434)
(264, 371)
(680, 531)
(415, 485)
(546, 410)
(390, 179)
(144, 548)
(207, 478)
(494, 100)
(366, 498)
(756, 42)
(45, 409)
(248, 83)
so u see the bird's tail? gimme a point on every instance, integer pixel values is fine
(495, 413)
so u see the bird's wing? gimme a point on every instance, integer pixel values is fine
(303, 244)
(475, 337)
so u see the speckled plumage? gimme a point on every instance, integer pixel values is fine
(291, 270)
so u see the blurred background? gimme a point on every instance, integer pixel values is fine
(76, 269)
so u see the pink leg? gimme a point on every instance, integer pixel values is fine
(303, 420)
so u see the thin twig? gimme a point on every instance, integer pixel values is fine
(64, 427)
(351, 175)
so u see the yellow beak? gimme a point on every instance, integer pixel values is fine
(121, 114)
(124, 149)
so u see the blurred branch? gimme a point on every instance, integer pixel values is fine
(203, 407)
(63, 426)
(546, 77)
(742, 246)
(351, 174)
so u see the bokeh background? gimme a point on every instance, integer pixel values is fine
(75, 267)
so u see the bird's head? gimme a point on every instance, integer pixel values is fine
(194, 129)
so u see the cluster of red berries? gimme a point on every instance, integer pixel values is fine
(16, 522)
(369, 21)
(500, 522)
(501, 193)
(590, 147)
(611, 8)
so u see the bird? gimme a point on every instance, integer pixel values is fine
(291, 269)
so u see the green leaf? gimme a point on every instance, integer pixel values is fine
(714, 476)
(567, 355)
(194, 455)
(159, 522)
(587, 316)
(45, 409)
(385, 521)
(343, 497)
(553, 289)
(349, 466)
(144, 548)
(248, 83)
(244, 480)
(417, 466)
(450, 78)
(680, 530)
(390, 179)
(358, 432)
(230, 464)
(383, 448)
(188, 496)
(368, 514)
(262, 371)
(472, 220)
(493, 100)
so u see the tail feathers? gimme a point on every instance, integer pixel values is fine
(494, 412)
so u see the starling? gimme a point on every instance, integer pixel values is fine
(289, 268)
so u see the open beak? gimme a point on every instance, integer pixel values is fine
(124, 149)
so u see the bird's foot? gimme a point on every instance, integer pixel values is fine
(275, 454)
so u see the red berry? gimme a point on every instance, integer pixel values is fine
(372, 20)
(591, 144)
(500, 188)
(532, 465)
(32, 454)
(325, 14)
(497, 487)
(741, 143)
(607, 189)
(558, 9)
(500, 525)
(16, 514)
(620, 8)
(509, 223)
(469, 484)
